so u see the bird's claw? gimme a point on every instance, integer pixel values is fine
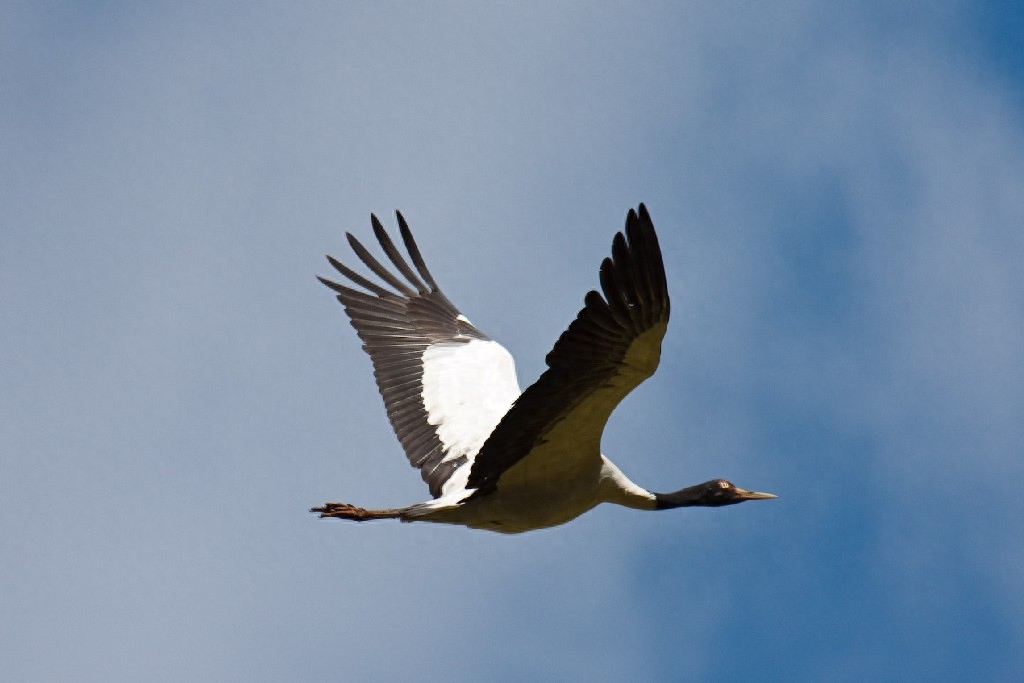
(340, 511)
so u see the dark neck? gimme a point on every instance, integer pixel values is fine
(691, 496)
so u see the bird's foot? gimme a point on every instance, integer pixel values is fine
(342, 511)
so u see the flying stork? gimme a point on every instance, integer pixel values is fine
(493, 456)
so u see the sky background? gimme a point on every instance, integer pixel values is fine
(839, 193)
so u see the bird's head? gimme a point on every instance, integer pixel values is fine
(714, 493)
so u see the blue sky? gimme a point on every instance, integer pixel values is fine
(838, 191)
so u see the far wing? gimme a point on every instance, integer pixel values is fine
(445, 383)
(613, 345)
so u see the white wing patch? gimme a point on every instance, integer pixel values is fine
(467, 388)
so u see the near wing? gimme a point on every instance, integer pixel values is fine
(445, 383)
(613, 345)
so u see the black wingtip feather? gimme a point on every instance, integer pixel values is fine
(384, 239)
(373, 264)
(414, 251)
(340, 289)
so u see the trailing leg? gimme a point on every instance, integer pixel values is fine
(358, 514)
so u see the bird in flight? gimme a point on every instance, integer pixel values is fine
(493, 456)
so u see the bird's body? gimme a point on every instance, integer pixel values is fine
(538, 498)
(495, 458)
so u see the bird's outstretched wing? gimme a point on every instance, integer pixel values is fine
(445, 383)
(613, 345)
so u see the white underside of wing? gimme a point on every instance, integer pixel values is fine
(467, 388)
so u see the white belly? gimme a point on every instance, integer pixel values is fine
(545, 490)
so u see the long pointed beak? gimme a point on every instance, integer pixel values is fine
(744, 494)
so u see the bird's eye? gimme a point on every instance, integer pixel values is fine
(724, 484)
